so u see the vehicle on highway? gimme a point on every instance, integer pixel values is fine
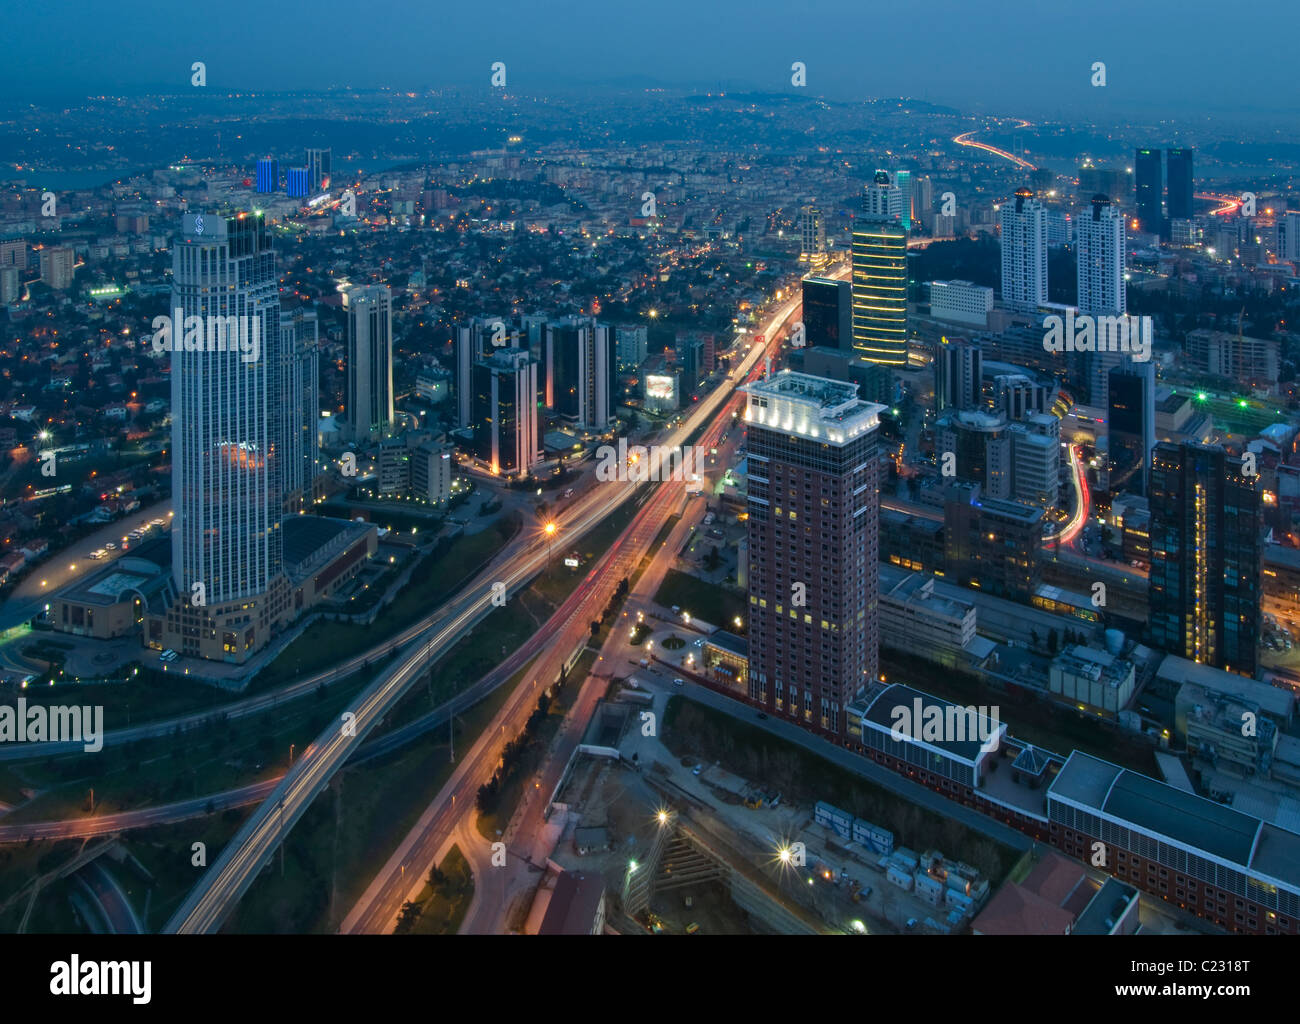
(110, 546)
(678, 682)
(98, 554)
(697, 769)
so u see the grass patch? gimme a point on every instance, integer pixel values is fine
(711, 602)
(444, 900)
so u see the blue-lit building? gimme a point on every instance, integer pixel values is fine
(268, 174)
(298, 182)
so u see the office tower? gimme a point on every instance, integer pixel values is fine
(478, 338)
(298, 182)
(880, 292)
(1131, 425)
(812, 231)
(827, 313)
(958, 373)
(1100, 242)
(505, 434)
(1206, 529)
(579, 362)
(813, 574)
(1179, 174)
(903, 182)
(1023, 225)
(1111, 182)
(1024, 465)
(318, 169)
(1149, 183)
(227, 475)
(1288, 236)
(994, 546)
(690, 357)
(967, 434)
(370, 363)
(58, 266)
(13, 253)
(300, 407)
(882, 199)
(631, 343)
(923, 201)
(268, 174)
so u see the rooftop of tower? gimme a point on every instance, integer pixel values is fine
(814, 407)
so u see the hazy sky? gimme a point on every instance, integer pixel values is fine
(1034, 56)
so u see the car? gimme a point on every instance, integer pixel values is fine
(762, 715)
(679, 682)
(697, 769)
(911, 923)
(692, 928)
(110, 546)
(168, 655)
(97, 554)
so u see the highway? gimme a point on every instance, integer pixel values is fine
(235, 869)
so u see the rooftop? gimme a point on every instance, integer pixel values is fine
(813, 407)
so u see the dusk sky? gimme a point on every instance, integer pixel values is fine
(1166, 58)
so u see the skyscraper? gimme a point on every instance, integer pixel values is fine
(504, 419)
(1149, 185)
(1100, 246)
(297, 182)
(227, 429)
(880, 292)
(370, 363)
(580, 363)
(812, 231)
(903, 182)
(1131, 425)
(268, 174)
(958, 375)
(318, 168)
(1023, 224)
(827, 313)
(1206, 532)
(882, 198)
(478, 339)
(1179, 174)
(813, 573)
(300, 407)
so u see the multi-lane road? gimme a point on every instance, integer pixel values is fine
(244, 856)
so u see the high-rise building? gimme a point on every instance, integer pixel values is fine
(883, 199)
(958, 374)
(1178, 171)
(961, 302)
(880, 292)
(923, 201)
(812, 232)
(300, 407)
(370, 363)
(827, 313)
(1288, 236)
(318, 168)
(1023, 225)
(580, 365)
(1206, 542)
(1100, 242)
(268, 174)
(477, 339)
(58, 266)
(1149, 183)
(903, 182)
(297, 182)
(632, 346)
(813, 573)
(1131, 425)
(504, 418)
(227, 470)
(11, 285)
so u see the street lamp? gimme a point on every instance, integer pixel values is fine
(550, 530)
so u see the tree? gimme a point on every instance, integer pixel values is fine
(1033, 638)
(1053, 641)
(406, 919)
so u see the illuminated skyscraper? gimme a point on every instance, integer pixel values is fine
(812, 230)
(1149, 184)
(882, 198)
(1206, 533)
(318, 168)
(1179, 173)
(813, 571)
(903, 182)
(880, 291)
